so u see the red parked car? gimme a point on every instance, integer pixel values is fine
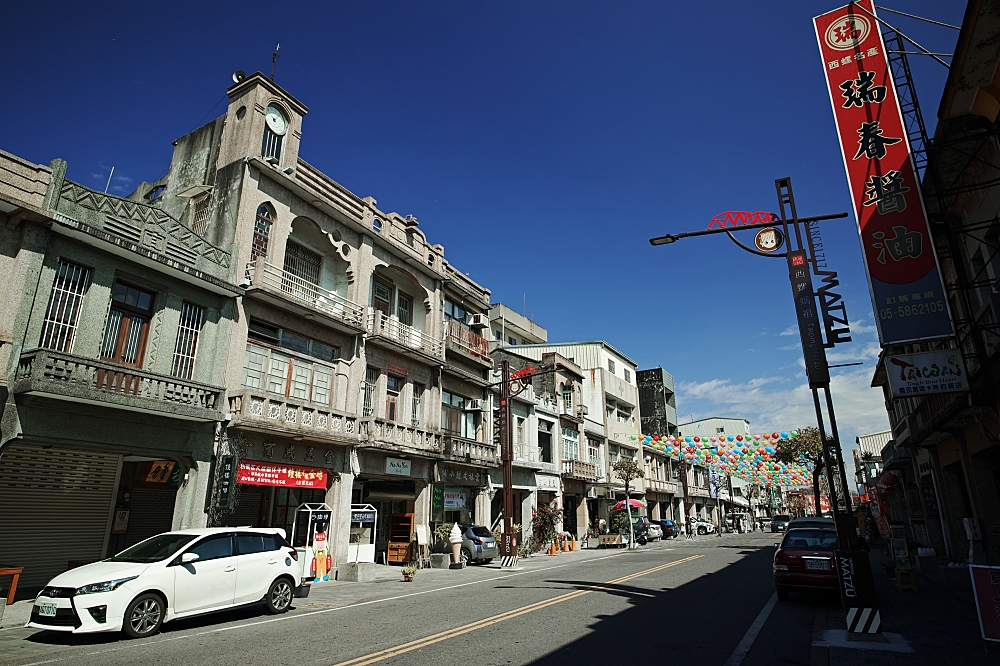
(805, 559)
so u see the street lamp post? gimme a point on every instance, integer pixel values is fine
(854, 570)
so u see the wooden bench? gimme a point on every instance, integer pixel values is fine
(15, 572)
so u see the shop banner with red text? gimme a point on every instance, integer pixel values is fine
(273, 474)
(986, 586)
(903, 275)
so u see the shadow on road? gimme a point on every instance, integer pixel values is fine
(699, 622)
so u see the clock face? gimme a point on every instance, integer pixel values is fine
(276, 120)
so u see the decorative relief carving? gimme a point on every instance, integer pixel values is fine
(328, 456)
(307, 417)
(256, 407)
(321, 420)
(309, 454)
(268, 449)
(273, 410)
(289, 452)
(290, 413)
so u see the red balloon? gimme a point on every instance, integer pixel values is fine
(739, 438)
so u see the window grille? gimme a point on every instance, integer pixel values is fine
(368, 391)
(271, 147)
(301, 275)
(186, 347)
(199, 215)
(261, 232)
(65, 303)
(418, 396)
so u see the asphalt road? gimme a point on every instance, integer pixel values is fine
(678, 602)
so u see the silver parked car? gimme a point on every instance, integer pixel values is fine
(478, 544)
(655, 532)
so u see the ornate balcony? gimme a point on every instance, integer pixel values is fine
(281, 288)
(259, 410)
(383, 434)
(470, 451)
(577, 469)
(55, 374)
(469, 344)
(402, 337)
(696, 491)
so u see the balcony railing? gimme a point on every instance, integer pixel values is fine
(467, 450)
(389, 328)
(312, 295)
(660, 486)
(577, 469)
(468, 343)
(259, 409)
(84, 379)
(387, 434)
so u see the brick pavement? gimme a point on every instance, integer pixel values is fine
(937, 621)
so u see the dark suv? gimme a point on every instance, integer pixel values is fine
(780, 523)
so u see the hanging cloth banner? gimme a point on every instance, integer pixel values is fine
(903, 276)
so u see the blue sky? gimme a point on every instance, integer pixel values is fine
(542, 143)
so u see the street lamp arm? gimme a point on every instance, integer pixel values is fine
(673, 238)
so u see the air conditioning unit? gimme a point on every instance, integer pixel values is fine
(592, 493)
(582, 410)
(479, 321)
(478, 406)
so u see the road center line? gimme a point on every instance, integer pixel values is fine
(517, 612)
(736, 658)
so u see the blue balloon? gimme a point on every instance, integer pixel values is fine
(687, 439)
(731, 438)
(784, 435)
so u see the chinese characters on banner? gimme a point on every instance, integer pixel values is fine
(906, 287)
(927, 372)
(810, 330)
(273, 474)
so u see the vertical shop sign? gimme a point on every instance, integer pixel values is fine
(226, 488)
(810, 330)
(903, 276)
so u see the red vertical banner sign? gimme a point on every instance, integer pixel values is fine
(903, 276)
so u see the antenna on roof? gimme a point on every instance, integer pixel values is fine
(274, 60)
(109, 180)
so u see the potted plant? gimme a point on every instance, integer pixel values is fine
(409, 571)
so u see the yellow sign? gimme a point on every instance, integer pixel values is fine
(159, 471)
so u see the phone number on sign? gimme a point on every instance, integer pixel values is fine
(911, 310)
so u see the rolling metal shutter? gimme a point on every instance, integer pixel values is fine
(54, 509)
(151, 513)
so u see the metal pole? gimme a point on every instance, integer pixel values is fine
(508, 548)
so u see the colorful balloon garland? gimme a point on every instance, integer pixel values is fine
(752, 458)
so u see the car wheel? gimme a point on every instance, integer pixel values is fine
(702, 531)
(487, 560)
(143, 616)
(783, 593)
(466, 556)
(279, 597)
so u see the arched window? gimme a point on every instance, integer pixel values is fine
(261, 232)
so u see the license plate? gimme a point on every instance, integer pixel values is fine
(47, 610)
(821, 565)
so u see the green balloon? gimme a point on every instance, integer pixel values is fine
(794, 433)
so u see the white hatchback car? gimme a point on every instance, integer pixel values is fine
(169, 576)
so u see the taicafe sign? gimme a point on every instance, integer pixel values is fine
(927, 372)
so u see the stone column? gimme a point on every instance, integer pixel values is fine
(483, 508)
(189, 504)
(338, 497)
(582, 518)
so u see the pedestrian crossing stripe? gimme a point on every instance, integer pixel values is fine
(864, 621)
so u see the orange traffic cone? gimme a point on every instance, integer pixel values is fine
(552, 548)
(575, 546)
(566, 546)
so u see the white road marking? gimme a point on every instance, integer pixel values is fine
(736, 658)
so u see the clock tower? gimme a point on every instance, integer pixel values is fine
(262, 121)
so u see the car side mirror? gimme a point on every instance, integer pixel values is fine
(188, 558)
(777, 545)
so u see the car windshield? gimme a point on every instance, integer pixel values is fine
(153, 550)
(810, 540)
(481, 531)
(784, 518)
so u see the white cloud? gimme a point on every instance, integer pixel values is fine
(791, 330)
(860, 326)
(781, 403)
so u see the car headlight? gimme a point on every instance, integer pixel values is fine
(106, 586)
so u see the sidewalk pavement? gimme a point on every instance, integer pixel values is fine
(932, 625)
